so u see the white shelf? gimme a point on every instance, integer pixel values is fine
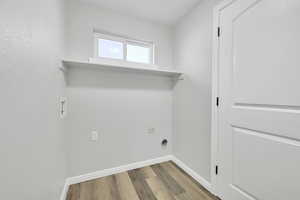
(106, 64)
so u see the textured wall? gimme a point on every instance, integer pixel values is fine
(33, 165)
(192, 97)
(120, 106)
(83, 18)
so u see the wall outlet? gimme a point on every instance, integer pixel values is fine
(151, 130)
(94, 136)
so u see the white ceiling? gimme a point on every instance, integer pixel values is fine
(162, 11)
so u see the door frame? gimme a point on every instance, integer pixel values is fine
(215, 93)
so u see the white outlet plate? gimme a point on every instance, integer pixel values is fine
(94, 136)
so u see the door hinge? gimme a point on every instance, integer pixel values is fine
(219, 31)
(217, 169)
(217, 101)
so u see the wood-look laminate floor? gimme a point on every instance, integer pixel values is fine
(164, 181)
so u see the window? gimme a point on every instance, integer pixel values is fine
(113, 47)
(137, 53)
(110, 49)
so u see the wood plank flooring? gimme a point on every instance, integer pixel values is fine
(164, 181)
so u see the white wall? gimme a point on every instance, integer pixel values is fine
(33, 165)
(83, 18)
(121, 106)
(192, 97)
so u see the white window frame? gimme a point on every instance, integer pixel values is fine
(125, 41)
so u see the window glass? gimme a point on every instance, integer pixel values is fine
(138, 54)
(110, 49)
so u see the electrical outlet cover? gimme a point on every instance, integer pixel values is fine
(94, 136)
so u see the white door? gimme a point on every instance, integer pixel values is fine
(259, 113)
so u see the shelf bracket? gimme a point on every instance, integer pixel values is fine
(63, 69)
(180, 77)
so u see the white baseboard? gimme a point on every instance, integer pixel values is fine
(64, 192)
(206, 184)
(124, 168)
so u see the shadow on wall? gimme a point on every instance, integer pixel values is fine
(112, 79)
